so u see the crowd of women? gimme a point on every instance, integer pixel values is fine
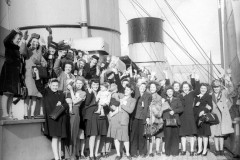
(105, 106)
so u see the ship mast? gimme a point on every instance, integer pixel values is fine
(220, 33)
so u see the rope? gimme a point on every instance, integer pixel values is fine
(191, 36)
(123, 14)
(137, 12)
(176, 34)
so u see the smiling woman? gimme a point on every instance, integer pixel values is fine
(9, 77)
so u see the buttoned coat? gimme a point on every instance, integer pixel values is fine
(221, 108)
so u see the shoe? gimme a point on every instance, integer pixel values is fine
(151, 155)
(25, 117)
(135, 156)
(217, 153)
(98, 158)
(221, 153)
(144, 155)
(32, 117)
(73, 158)
(117, 158)
(129, 157)
(205, 154)
(191, 154)
(158, 153)
(106, 155)
(167, 155)
(91, 158)
(183, 153)
(199, 153)
(163, 153)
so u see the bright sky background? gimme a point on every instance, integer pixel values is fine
(200, 17)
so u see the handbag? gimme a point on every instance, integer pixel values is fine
(171, 122)
(150, 130)
(211, 118)
(42, 72)
(57, 112)
(59, 109)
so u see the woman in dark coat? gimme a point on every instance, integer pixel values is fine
(188, 127)
(96, 126)
(171, 109)
(202, 105)
(56, 129)
(10, 74)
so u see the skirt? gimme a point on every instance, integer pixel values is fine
(118, 131)
(96, 126)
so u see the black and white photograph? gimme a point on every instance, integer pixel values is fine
(119, 80)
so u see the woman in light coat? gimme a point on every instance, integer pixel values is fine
(33, 57)
(221, 106)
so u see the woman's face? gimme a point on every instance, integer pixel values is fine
(95, 86)
(186, 88)
(176, 87)
(54, 86)
(142, 88)
(17, 39)
(81, 64)
(52, 51)
(80, 54)
(93, 62)
(170, 93)
(79, 84)
(153, 88)
(128, 91)
(124, 83)
(203, 89)
(68, 68)
(34, 43)
(216, 89)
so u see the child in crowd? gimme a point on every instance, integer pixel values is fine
(103, 98)
(115, 99)
(70, 82)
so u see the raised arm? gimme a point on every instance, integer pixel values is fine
(8, 40)
(57, 69)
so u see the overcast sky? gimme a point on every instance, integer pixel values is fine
(200, 16)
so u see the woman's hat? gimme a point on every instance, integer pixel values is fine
(216, 83)
(63, 46)
(35, 35)
(53, 45)
(95, 57)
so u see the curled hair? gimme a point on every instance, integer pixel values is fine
(67, 62)
(132, 87)
(79, 78)
(30, 41)
(175, 82)
(82, 80)
(53, 80)
(185, 82)
(155, 83)
(206, 85)
(95, 80)
(169, 87)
